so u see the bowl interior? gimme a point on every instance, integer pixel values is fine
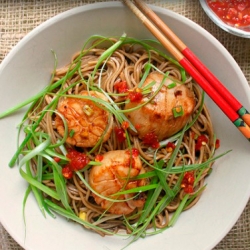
(27, 69)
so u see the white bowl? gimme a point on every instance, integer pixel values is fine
(240, 31)
(26, 70)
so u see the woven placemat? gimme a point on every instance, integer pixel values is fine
(17, 18)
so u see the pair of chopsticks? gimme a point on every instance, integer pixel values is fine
(231, 107)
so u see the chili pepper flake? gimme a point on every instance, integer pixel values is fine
(188, 182)
(121, 87)
(120, 134)
(217, 143)
(125, 125)
(202, 140)
(135, 152)
(135, 95)
(67, 172)
(99, 158)
(170, 147)
(56, 159)
(138, 126)
(77, 160)
(151, 140)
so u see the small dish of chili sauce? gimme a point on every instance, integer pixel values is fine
(232, 16)
(232, 12)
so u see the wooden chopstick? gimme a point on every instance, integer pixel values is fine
(235, 104)
(175, 46)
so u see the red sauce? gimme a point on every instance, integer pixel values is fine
(201, 140)
(57, 159)
(121, 87)
(217, 143)
(120, 134)
(138, 126)
(125, 125)
(232, 12)
(67, 172)
(99, 158)
(77, 160)
(188, 182)
(135, 152)
(151, 140)
(170, 147)
(135, 96)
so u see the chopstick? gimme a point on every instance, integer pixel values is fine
(186, 58)
(236, 105)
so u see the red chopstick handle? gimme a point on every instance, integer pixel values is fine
(215, 82)
(185, 51)
(214, 95)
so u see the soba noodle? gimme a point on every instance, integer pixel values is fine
(128, 62)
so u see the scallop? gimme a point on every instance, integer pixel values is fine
(87, 123)
(157, 116)
(112, 176)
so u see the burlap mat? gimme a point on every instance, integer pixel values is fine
(17, 18)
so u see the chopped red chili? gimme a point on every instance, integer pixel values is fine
(77, 160)
(201, 141)
(125, 125)
(56, 159)
(121, 87)
(193, 135)
(138, 126)
(188, 189)
(135, 95)
(188, 182)
(135, 152)
(233, 12)
(120, 134)
(99, 158)
(67, 172)
(217, 143)
(151, 140)
(170, 147)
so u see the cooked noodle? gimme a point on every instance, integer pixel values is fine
(128, 64)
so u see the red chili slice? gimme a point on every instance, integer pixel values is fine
(120, 134)
(151, 140)
(135, 96)
(77, 160)
(121, 87)
(67, 172)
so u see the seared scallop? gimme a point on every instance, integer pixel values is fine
(112, 176)
(157, 116)
(87, 123)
